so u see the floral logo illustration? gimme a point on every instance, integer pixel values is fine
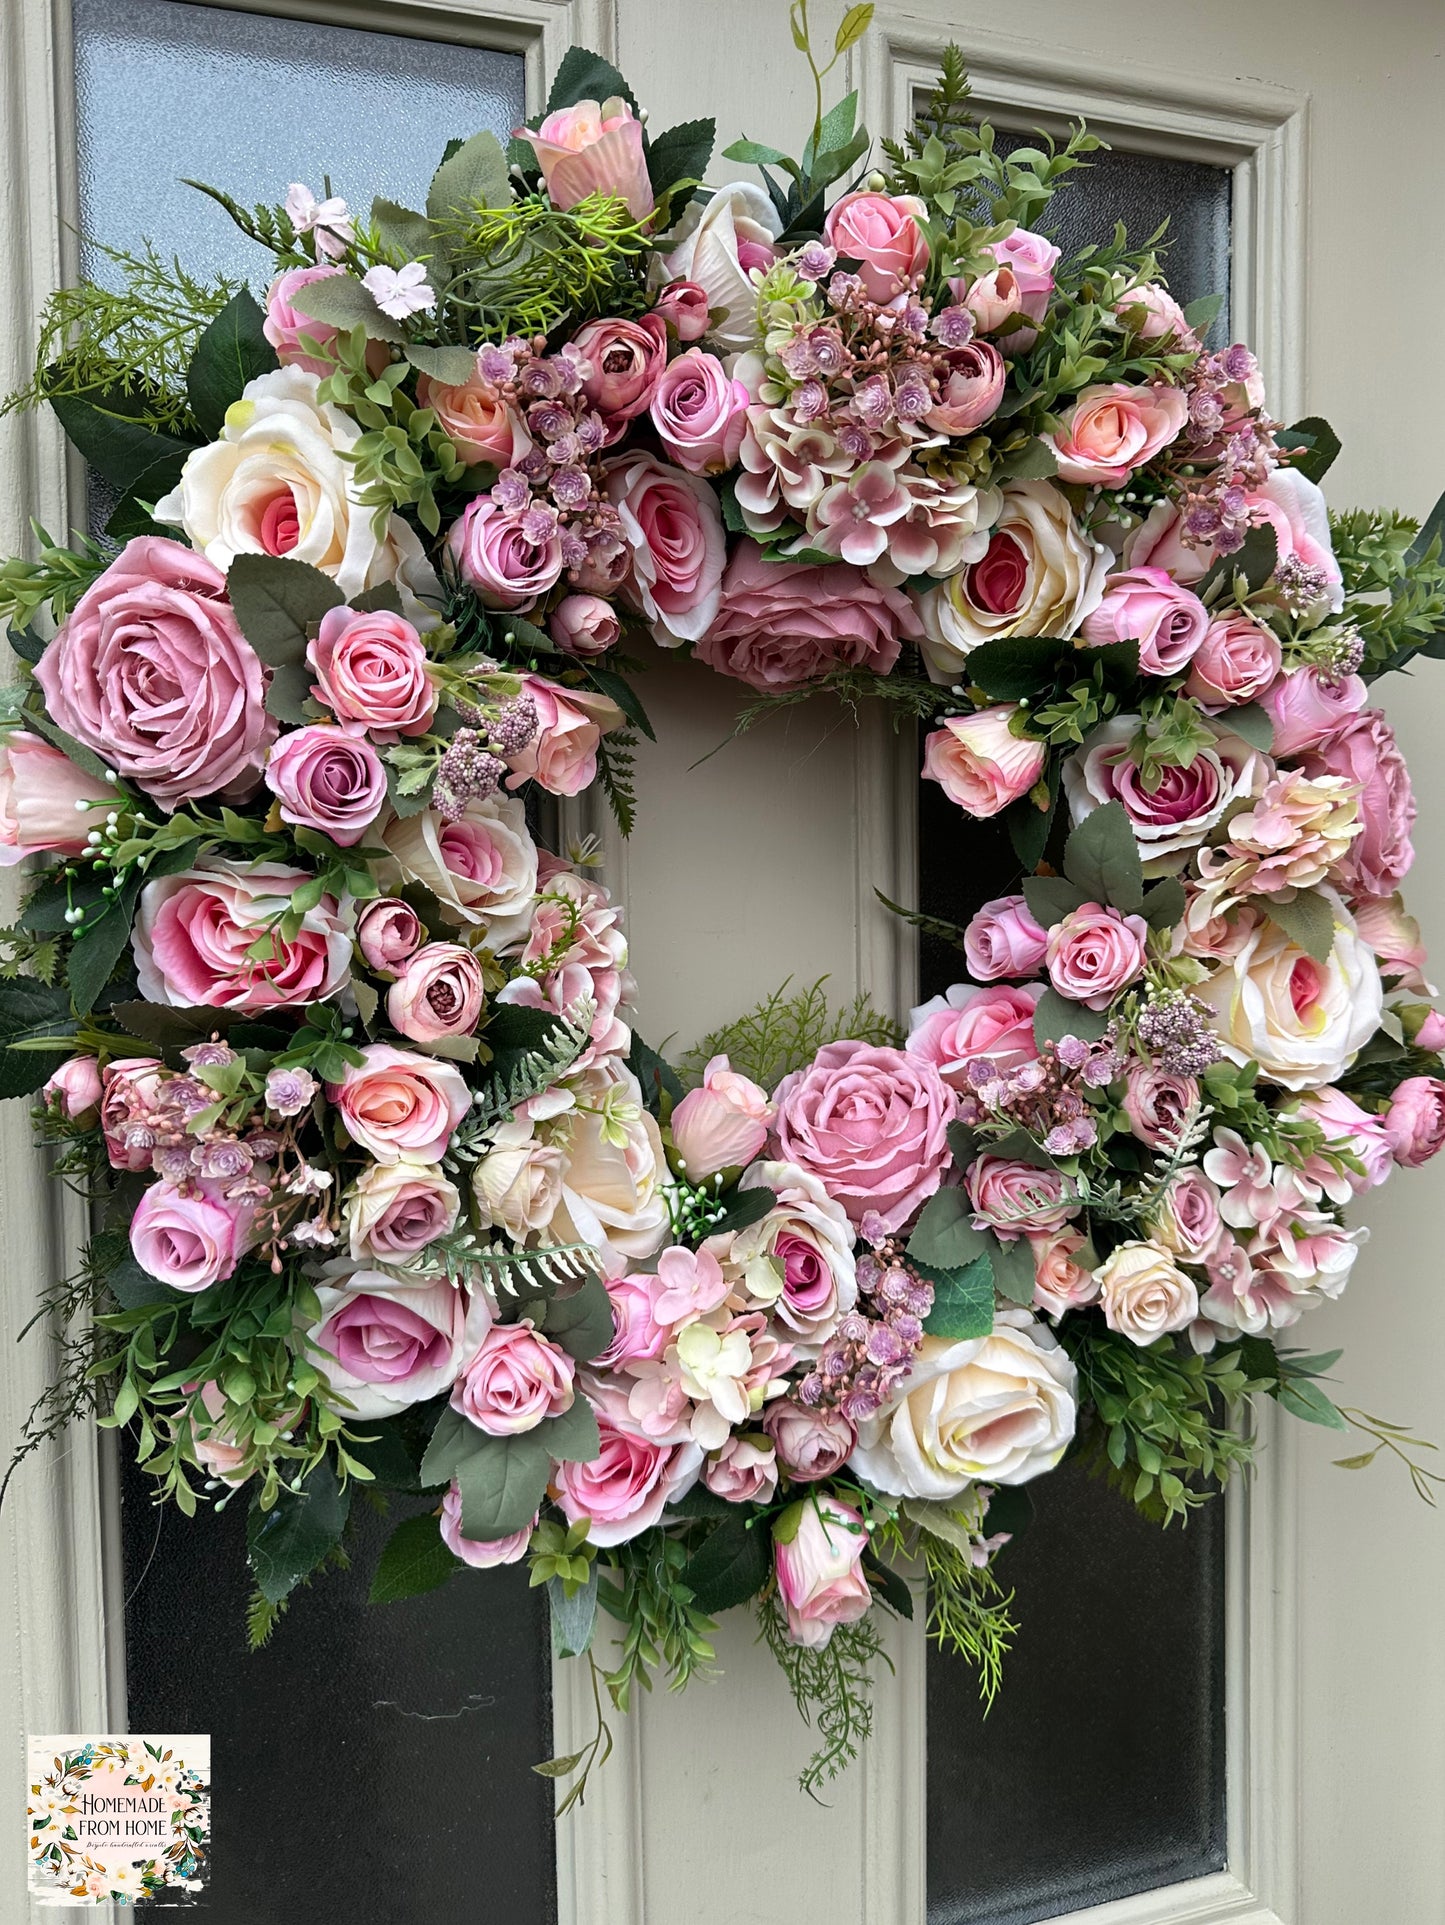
(116, 1819)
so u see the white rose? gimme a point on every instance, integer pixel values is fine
(482, 868)
(1302, 1021)
(615, 1169)
(810, 1283)
(998, 1409)
(706, 251)
(275, 483)
(416, 1340)
(1056, 579)
(518, 1183)
(1143, 1293)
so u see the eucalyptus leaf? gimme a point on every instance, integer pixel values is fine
(341, 302)
(1056, 1017)
(944, 1236)
(1102, 858)
(574, 1619)
(502, 1483)
(451, 366)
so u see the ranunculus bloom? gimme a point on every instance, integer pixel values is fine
(797, 1261)
(438, 993)
(1415, 1120)
(1364, 751)
(818, 1547)
(980, 763)
(723, 1123)
(584, 625)
(870, 1124)
(40, 795)
(482, 868)
(742, 1472)
(971, 390)
(388, 931)
(284, 325)
(1175, 816)
(627, 1486)
(398, 1104)
(499, 559)
(194, 933)
(518, 1183)
(590, 149)
(998, 1410)
(1143, 1293)
(683, 305)
(1003, 939)
(783, 624)
(1095, 952)
(1305, 706)
(151, 672)
(393, 1345)
(882, 233)
(673, 526)
(477, 419)
(811, 1444)
(371, 667)
(189, 1241)
(1159, 1103)
(75, 1086)
(483, 1554)
(626, 360)
(515, 1381)
(719, 244)
(969, 1023)
(393, 1210)
(699, 411)
(1012, 1198)
(1237, 661)
(327, 776)
(1113, 429)
(1145, 606)
(562, 756)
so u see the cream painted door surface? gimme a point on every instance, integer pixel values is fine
(761, 862)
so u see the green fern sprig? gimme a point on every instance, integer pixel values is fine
(784, 1032)
(968, 1612)
(266, 224)
(616, 763)
(499, 1097)
(832, 1688)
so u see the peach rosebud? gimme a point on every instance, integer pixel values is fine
(1143, 1292)
(992, 299)
(477, 419)
(40, 795)
(584, 625)
(721, 1125)
(980, 763)
(75, 1087)
(590, 149)
(438, 993)
(683, 305)
(818, 1547)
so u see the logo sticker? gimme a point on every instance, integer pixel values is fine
(117, 1818)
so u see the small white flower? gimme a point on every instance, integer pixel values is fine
(328, 220)
(400, 291)
(318, 1231)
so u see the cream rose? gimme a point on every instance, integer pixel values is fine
(518, 1183)
(482, 868)
(1143, 1294)
(615, 1168)
(715, 246)
(1302, 1021)
(998, 1409)
(393, 1210)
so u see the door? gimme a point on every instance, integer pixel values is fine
(1293, 1776)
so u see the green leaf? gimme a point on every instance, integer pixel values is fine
(681, 153)
(853, 26)
(701, 1502)
(388, 1450)
(1308, 921)
(1051, 898)
(1255, 561)
(753, 153)
(344, 303)
(1251, 723)
(574, 1619)
(1163, 906)
(232, 351)
(944, 1236)
(584, 75)
(276, 601)
(1029, 827)
(1102, 858)
(502, 1483)
(837, 126)
(623, 694)
(451, 366)
(95, 955)
(1203, 313)
(384, 595)
(962, 1299)
(658, 1078)
(581, 1322)
(1307, 1401)
(890, 1585)
(454, 1438)
(1432, 529)
(1320, 445)
(286, 1543)
(1015, 668)
(1055, 1016)
(289, 692)
(1035, 461)
(1013, 1268)
(111, 431)
(474, 176)
(402, 229)
(413, 1560)
(730, 1565)
(573, 1438)
(748, 1206)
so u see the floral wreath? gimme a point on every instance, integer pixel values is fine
(392, 1191)
(59, 1860)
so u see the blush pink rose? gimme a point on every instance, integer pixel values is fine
(1194, 1209)
(1012, 1198)
(1415, 1120)
(1145, 606)
(722, 1124)
(562, 756)
(683, 305)
(870, 1123)
(1059, 1283)
(626, 361)
(1002, 939)
(818, 1547)
(439, 992)
(397, 1104)
(516, 1380)
(970, 391)
(970, 1024)
(980, 763)
(673, 527)
(1113, 429)
(639, 1335)
(1152, 312)
(882, 233)
(590, 149)
(630, 1482)
(1364, 751)
(132, 1084)
(742, 1472)
(371, 667)
(483, 1554)
(194, 933)
(388, 932)
(478, 420)
(499, 559)
(1031, 259)
(328, 777)
(75, 1087)
(189, 1241)
(811, 1444)
(393, 1210)
(992, 299)
(700, 412)
(151, 672)
(781, 625)
(284, 325)
(1159, 541)
(394, 1345)
(584, 625)
(41, 791)
(1094, 953)
(1238, 660)
(1159, 1103)
(1431, 1033)
(1305, 706)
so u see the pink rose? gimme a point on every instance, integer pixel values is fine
(1396, 940)
(639, 1335)
(393, 1210)
(483, 1554)
(971, 1024)
(328, 777)
(393, 1345)
(1159, 1103)
(372, 668)
(742, 1472)
(41, 791)
(1305, 706)
(499, 559)
(187, 1240)
(980, 763)
(673, 526)
(1294, 506)
(1094, 953)
(870, 1124)
(700, 412)
(1184, 804)
(992, 299)
(783, 624)
(721, 1125)
(195, 931)
(626, 360)
(1237, 661)
(478, 420)
(397, 1104)
(1144, 605)
(1363, 750)
(438, 993)
(683, 305)
(818, 1547)
(1012, 1198)
(151, 671)
(1151, 312)
(75, 1087)
(562, 756)
(590, 149)
(584, 625)
(516, 1380)
(284, 325)
(1113, 429)
(1059, 1283)
(1415, 1120)
(971, 390)
(882, 233)
(388, 932)
(1002, 939)
(627, 1486)
(810, 1443)
(1194, 1208)
(131, 1085)
(1032, 260)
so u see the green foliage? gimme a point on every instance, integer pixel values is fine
(616, 764)
(968, 1611)
(262, 1617)
(288, 1541)
(268, 224)
(56, 579)
(550, 1046)
(665, 1629)
(832, 1688)
(232, 351)
(1394, 579)
(402, 458)
(413, 1560)
(528, 267)
(732, 1564)
(784, 1032)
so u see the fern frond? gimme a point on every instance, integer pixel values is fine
(832, 1688)
(262, 1617)
(615, 764)
(499, 1098)
(269, 226)
(785, 1032)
